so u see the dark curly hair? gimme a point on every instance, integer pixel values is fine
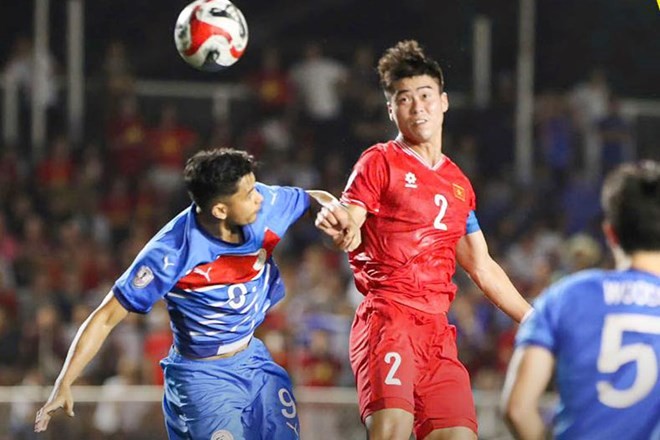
(631, 201)
(212, 174)
(404, 60)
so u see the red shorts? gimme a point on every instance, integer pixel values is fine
(405, 358)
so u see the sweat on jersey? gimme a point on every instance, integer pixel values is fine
(217, 293)
(603, 328)
(416, 214)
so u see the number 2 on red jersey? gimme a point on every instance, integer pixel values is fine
(440, 202)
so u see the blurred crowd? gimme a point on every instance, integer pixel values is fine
(72, 220)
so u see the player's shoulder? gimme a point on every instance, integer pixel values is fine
(581, 281)
(379, 156)
(451, 168)
(280, 201)
(268, 192)
(381, 149)
(570, 295)
(271, 193)
(264, 189)
(173, 235)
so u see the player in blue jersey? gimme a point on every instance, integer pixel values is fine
(600, 328)
(213, 265)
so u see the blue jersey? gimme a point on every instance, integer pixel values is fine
(217, 293)
(603, 328)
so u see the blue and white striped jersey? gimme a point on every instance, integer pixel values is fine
(217, 293)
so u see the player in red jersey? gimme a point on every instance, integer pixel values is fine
(416, 212)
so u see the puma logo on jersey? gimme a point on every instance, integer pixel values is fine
(294, 428)
(273, 195)
(166, 262)
(411, 180)
(205, 274)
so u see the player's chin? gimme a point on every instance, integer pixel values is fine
(251, 219)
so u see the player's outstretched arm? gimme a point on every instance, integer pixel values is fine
(528, 375)
(91, 335)
(341, 223)
(472, 254)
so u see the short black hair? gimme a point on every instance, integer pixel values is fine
(405, 60)
(213, 174)
(631, 201)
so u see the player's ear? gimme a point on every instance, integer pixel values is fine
(444, 101)
(389, 111)
(219, 211)
(610, 234)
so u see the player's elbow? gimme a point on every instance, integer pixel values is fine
(515, 412)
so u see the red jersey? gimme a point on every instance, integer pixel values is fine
(415, 216)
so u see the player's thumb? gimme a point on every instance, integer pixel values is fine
(68, 408)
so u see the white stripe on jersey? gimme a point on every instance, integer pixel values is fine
(211, 321)
(206, 288)
(176, 295)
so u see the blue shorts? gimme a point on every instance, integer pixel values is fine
(243, 397)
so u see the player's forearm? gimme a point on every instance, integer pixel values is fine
(323, 198)
(499, 289)
(88, 340)
(526, 424)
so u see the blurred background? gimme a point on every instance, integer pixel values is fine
(99, 114)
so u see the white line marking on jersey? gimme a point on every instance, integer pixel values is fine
(176, 295)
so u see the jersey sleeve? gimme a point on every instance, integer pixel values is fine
(472, 224)
(285, 205)
(367, 181)
(542, 326)
(146, 281)
(472, 197)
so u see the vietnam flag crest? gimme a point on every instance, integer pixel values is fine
(459, 192)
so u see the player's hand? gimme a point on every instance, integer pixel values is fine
(61, 397)
(329, 223)
(350, 238)
(335, 221)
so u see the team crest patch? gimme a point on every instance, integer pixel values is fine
(459, 192)
(261, 259)
(223, 434)
(143, 277)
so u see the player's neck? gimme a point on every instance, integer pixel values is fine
(646, 261)
(431, 152)
(231, 233)
(220, 229)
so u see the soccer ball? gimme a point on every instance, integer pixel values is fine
(211, 35)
